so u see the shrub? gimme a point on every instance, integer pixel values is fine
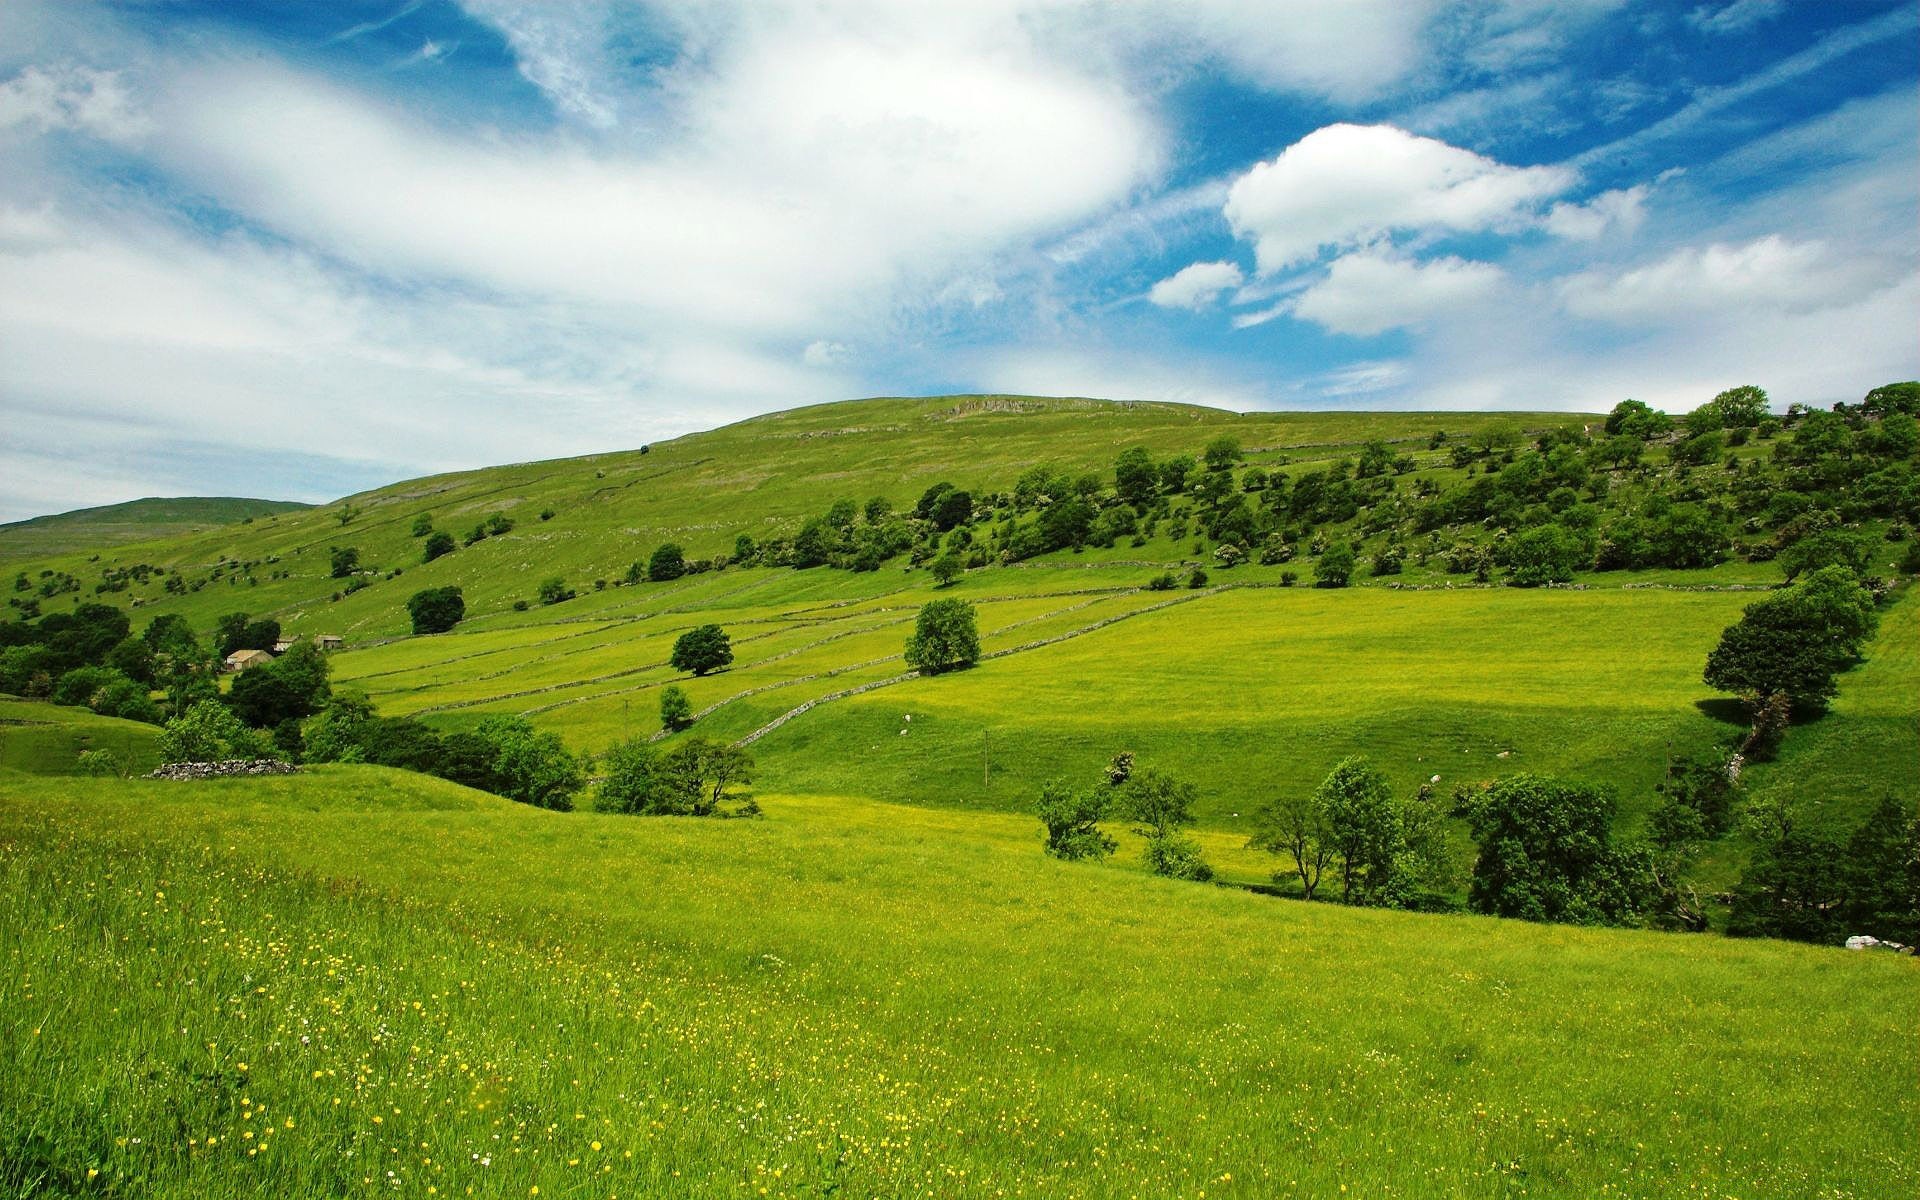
(345, 560)
(423, 525)
(438, 546)
(1177, 856)
(945, 638)
(210, 732)
(555, 590)
(702, 649)
(436, 610)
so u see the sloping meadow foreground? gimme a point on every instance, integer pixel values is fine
(361, 981)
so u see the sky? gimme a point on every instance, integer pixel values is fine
(296, 250)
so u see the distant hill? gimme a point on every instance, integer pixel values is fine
(92, 529)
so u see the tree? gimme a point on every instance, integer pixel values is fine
(668, 562)
(345, 559)
(702, 649)
(210, 732)
(1883, 874)
(1362, 824)
(1548, 553)
(439, 545)
(954, 508)
(676, 711)
(1890, 398)
(1631, 418)
(693, 779)
(1135, 478)
(947, 568)
(436, 610)
(1334, 567)
(1296, 825)
(1795, 641)
(555, 591)
(423, 525)
(945, 638)
(1736, 408)
(1222, 453)
(1161, 806)
(533, 768)
(1795, 882)
(1546, 853)
(287, 689)
(1066, 523)
(1847, 548)
(1072, 819)
(929, 498)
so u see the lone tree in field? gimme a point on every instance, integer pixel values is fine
(703, 649)
(945, 638)
(439, 544)
(1792, 643)
(436, 610)
(676, 712)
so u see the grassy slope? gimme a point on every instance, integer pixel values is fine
(87, 531)
(47, 739)
(859, 999)
(759, 477)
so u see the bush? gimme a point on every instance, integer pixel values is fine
(555, 590)
(703, 649)
(438, 546)
(1177, 856)
(345, 560)
(945, 638)
(210, 732)
(436, 610)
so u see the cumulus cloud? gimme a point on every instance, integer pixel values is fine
(1347, 185)
(1196, 286)
(1622, 209)
(1771, 272)
(71, 97)
(1369, 293)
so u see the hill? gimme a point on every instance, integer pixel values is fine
(90, 530)
(1247, 686)
(358, 978)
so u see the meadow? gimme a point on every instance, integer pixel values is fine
(358, 981)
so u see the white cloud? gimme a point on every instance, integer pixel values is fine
(1736, 17)
(1369, 293)
(71, 97)
(1195, 286)
(1622, 209)
(1771, 272)
(1348, 185)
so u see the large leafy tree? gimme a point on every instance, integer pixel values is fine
(945, 638)
(702, 649)
(1794, 642)
(1546, 853)
(436, 610)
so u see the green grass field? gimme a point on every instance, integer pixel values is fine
(356, 981)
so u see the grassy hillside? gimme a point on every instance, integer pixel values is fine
(356, 979)
(759, 477)
(91, 530)
(47, 739)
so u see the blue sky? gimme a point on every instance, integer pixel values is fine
(295, 250)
